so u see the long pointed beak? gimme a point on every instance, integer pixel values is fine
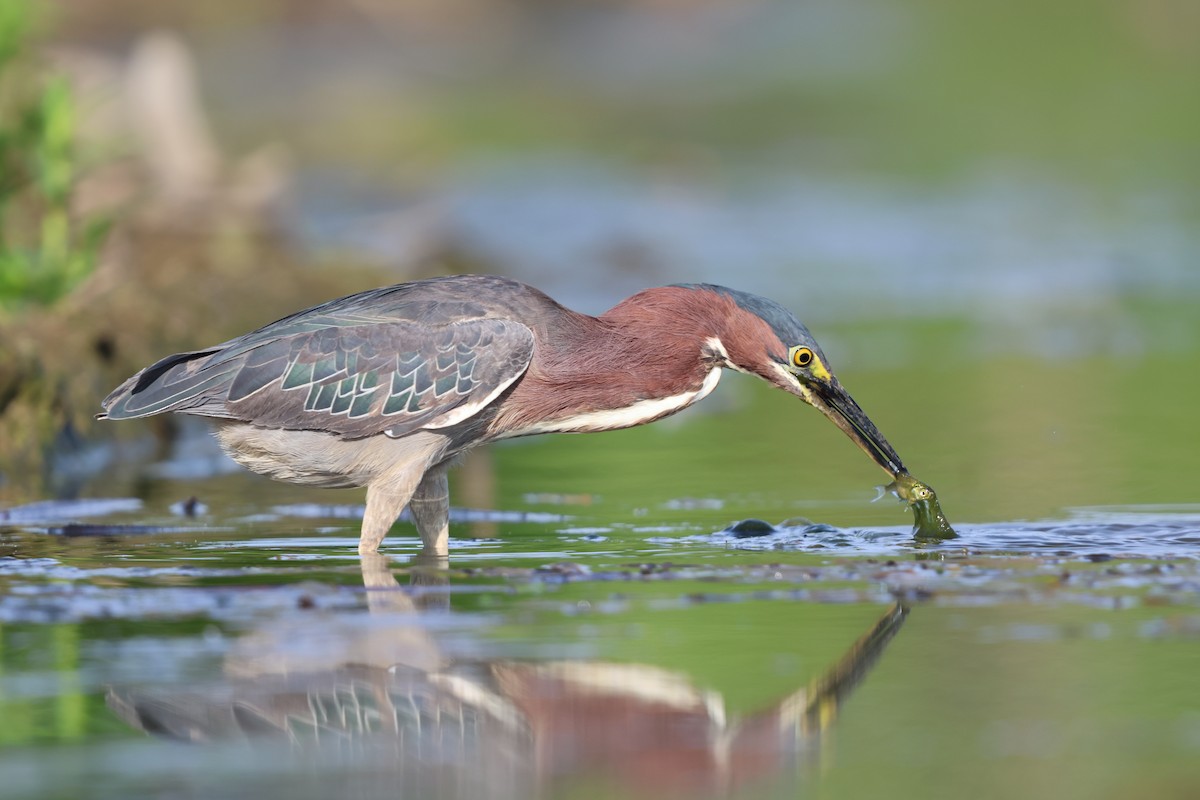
(836, 403)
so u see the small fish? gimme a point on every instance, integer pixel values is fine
(928, 520)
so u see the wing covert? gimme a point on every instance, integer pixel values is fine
(361, 380)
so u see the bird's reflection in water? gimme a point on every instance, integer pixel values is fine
(380, 690)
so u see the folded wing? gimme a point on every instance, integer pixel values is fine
(356, 378)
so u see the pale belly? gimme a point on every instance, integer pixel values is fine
(313, 458)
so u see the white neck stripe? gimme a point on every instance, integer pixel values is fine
(637, 414)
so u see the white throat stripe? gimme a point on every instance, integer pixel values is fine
(636, 414)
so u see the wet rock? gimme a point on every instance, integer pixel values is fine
(750, 528)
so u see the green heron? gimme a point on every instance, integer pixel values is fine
(384, 389)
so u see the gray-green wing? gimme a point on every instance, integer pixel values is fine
(351, 379)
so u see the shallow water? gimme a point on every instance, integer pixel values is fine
(606, 633)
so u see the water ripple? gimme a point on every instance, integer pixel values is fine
(1095, 534)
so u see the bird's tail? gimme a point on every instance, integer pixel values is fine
(174, 383)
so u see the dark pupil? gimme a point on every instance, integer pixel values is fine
(803, 357)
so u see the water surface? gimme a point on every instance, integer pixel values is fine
(603, 633)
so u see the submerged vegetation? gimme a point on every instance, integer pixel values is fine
(928, 520)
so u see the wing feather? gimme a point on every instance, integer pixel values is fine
(356, 378)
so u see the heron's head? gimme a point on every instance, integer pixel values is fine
(763, 338)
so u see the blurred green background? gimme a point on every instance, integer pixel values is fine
(1097, 93)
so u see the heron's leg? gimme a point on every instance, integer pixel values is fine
(385, 501)
(430, 508)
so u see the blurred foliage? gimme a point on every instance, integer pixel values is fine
(85, 303)
(163, 290)
(44, 252)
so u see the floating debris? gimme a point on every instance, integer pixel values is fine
(82, 529)
(567, 570)
(192, 507)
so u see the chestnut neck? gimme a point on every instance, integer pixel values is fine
(652, 346)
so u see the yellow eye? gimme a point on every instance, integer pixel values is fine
(802, 356)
